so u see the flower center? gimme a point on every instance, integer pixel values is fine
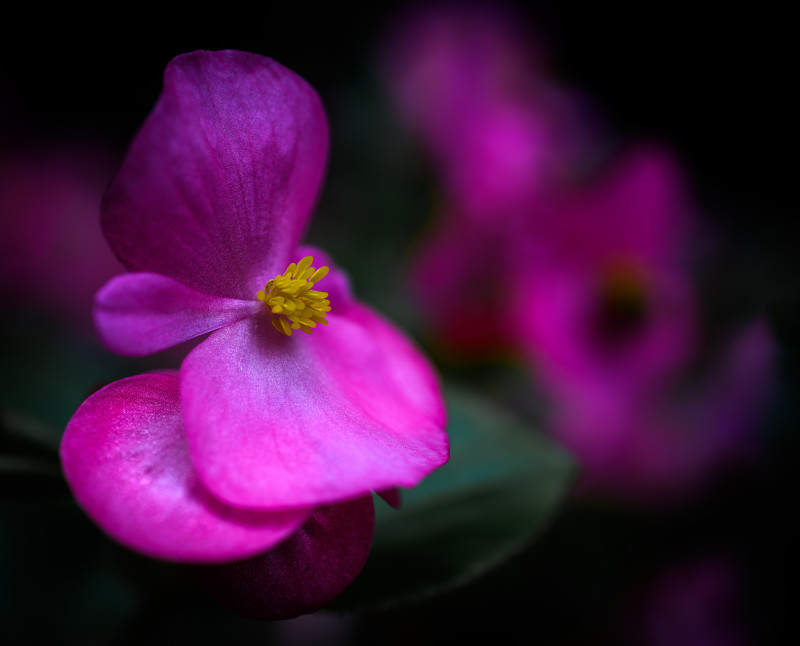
(292, 302)
(622, 308)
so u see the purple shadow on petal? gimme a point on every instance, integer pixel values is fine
(218, 184)
(305, 572)
(139, 313)
(124, 456)
(391, 497)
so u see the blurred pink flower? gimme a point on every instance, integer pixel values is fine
(608, 320)
(586, 277)
(263, 426)
(605, 301)
(53, 257)
(474, 88)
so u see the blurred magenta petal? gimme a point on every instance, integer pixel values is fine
(53, 257)
(635, 209)
(139, 313)
(457, 281)
(470, 81)
(305, 572)
(436, 57)
(502, 158)
(590, 333)
(351, 408)
(218, 185)
(672, 443)
(696, 603)
(125, 457)
(740, 391)
(606, 301)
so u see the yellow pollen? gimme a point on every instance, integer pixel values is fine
(292, 302)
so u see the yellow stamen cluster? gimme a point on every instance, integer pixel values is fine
(292, 302)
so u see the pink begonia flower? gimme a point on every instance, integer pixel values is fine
(53, 257)
(608, 322)
(587, 280)
(606, 301)
(267, 420)
(126, 459)
(473, 87)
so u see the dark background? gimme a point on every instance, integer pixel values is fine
(714, 83)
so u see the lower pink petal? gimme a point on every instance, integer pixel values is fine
(140, 313)
(124, 456)
(302, 574)
(276, 421)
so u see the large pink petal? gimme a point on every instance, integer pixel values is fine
(290, 421)
(139, 313)
(302, 574)
(218, 184)
(125, 458)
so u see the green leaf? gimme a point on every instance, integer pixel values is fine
(24, 466)
(29, 464)
(500, 489)
(19, 428)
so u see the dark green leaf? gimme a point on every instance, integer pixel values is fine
(17, 428)
(500, 489)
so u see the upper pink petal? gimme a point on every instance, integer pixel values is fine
(124, 456)
(139, 313)
(305, 572)
(286, 421)
(218, 184)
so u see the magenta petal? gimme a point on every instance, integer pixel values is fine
(140, 313)
(124, 456)
(302, 574)
(276, 421)
(218, 184)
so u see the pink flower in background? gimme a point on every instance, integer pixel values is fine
(607, 319)
(53, 257)
(582, 271)
(272, 416)
(473, 86)
(606, 302)
(474, 89)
